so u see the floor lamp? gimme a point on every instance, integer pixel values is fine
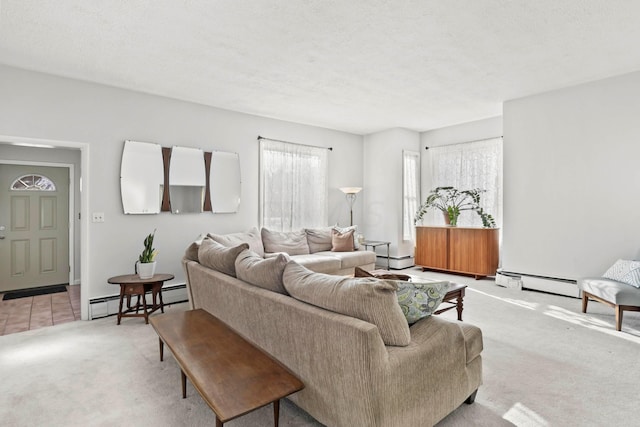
(350, 194)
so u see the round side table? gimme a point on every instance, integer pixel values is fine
(131, 284)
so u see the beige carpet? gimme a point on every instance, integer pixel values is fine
(545, 364)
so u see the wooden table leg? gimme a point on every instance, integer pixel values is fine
(218, 422)
(276, 412)
(184, 384)
(144, 307)
(161, 344)
(121, 301)
(459, 306)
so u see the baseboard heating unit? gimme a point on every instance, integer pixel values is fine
(396, 263)
(552, 285)
(108, 305)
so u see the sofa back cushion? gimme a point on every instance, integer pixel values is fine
(290, 242)
(262, 272)
(368, 299)
(319, 239)
(218, 257)
(252, 237)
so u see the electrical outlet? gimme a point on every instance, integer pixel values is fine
(98, 217)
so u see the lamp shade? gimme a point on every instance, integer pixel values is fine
(350, 190)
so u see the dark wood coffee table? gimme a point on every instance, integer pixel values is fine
(454, 296)
(232, 375)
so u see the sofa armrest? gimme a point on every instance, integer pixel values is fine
(439, 366)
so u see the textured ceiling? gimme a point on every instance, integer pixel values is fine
(354, 65)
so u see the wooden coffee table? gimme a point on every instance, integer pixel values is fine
(232, 375)
(454, 296)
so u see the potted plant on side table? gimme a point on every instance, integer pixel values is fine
(452, 202)
(146, 265)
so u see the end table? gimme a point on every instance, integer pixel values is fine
(374, 244)
(132, 284)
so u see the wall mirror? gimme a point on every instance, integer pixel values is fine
(141, 177)
(186, 180)
(224, 182)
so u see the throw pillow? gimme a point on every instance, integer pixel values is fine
(290, 242)
(218, 257)
(343, 230)
(380, 274)
(192, 251)
(341, 242)
(420, 299)
(252, 237)
(625, 271)
(319, 239)
(365, 298)
(261, 272)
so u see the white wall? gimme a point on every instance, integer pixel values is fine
(382, 193)
(37, 105)
(571, 179)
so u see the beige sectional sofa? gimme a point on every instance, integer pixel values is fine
(345, 338)
(310, 247)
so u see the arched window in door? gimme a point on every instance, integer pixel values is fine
(33, 182)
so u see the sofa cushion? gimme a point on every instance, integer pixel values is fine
(420, 299)
(319, 262)
(352, 259)
(318, 239)
(342, 242)
(291, 242)
(252, 237)
(265, 273)
(219, 257)
(625, 271)
(368, 299)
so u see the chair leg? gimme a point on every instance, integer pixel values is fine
(618, 318)
(585, 301)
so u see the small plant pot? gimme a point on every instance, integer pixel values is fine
(146, 270)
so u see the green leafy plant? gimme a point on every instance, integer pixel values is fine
(149, 253)
(452, 202)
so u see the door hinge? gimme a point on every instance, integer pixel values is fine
(79, 215)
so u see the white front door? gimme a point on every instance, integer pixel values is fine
(34, 226)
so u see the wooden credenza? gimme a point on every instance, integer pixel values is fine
(472, 251)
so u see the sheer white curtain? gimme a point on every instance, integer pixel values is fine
(293, 185)
(410, 192)
(466, 166)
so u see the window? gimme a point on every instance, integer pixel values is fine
(410, 192)
(293, 185)
(470, 165)
(32, 182)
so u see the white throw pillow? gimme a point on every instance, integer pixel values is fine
(625, 271)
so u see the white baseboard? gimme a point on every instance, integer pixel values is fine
(538, 283)
(108, 306)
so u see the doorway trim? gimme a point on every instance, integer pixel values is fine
(84, 204)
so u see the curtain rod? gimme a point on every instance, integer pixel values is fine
(468, 142)
(289, 142)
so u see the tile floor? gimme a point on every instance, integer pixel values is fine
(23, 314)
